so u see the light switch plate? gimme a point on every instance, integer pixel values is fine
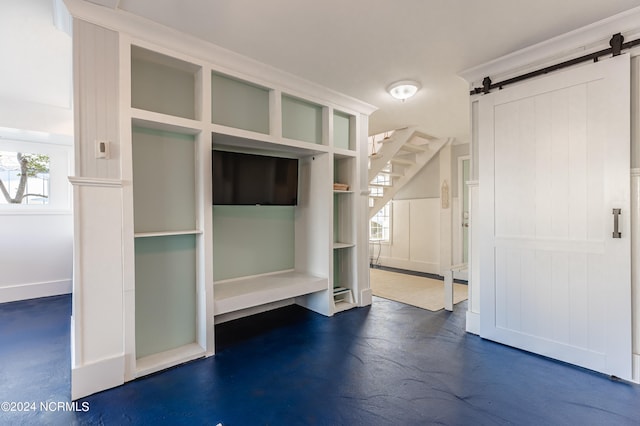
(102, 149)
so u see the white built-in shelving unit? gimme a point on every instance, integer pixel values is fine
(181, 109)
(159, 265)
(167, 203)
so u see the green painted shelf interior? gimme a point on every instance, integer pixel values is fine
(301, 120)
(236, 103)
(165, 293)
(163, 181)
(252, 240)
(162, 84)
(342, 137)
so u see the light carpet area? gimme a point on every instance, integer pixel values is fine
(425, 293)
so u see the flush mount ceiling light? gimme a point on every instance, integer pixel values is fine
(403, 89)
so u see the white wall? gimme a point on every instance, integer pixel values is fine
(36, 258)
(36, 90)
(36, 254)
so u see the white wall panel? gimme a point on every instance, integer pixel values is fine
(96, 65)
(97, 287)
(424, 240)
(415, 243)
(401, 229)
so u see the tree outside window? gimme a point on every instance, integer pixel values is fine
(24, 178)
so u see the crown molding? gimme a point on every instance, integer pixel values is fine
(143, 29)
(575, 43)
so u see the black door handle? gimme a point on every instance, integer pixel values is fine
(616, 233)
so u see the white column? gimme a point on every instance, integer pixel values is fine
(97, 333)
(473, 307)
(635, 271)
(362, 209)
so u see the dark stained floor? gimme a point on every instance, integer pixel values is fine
(389, 364)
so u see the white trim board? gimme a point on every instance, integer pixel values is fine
(473, 323)
(95, 377)
(34, 290)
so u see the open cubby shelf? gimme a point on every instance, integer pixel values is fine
(163, 84)
(344, 231)
(302, 120)
(239, 104)
(344, 132)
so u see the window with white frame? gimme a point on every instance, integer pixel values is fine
(380, 224)
(24, 178)
(33, 173)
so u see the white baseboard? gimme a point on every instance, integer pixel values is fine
(366, 297)
(461, 275)
(473, 323)
(410, 265)
(98, 376)
(34, 290)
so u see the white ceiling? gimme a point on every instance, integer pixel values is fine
(36, 56)
(359, 47)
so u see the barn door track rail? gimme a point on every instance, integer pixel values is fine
(617, 44)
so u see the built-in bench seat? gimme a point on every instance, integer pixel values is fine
(238, 294)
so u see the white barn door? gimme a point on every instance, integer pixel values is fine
(554, 162)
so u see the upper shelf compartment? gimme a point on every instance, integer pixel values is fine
(344, 131)
(163, 84)
(301, 120)
(239, 104)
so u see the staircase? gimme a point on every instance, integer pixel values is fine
(395, 160)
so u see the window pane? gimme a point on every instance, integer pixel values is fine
(380, 224)
(24, 178)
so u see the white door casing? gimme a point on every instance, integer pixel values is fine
(554, 160)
